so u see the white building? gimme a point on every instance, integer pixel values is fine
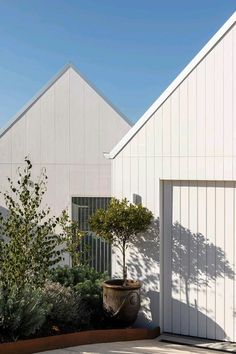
(180, 158)
(66, 128)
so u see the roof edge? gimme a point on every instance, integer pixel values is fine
(107, 100)
(46, 87)
(175, 83)
(34, 99)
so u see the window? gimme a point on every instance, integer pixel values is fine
(95, 251)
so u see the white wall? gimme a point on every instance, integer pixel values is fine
(199, 257)
(192, 136)
(66, 131)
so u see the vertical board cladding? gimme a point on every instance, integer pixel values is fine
(18, 140)
(33, 132)
(199, 258)
(47, 127)
(77, 98)
(91, 109)
(6, 147)
(62, 119)
(195, 124)
(66, 130)
(191, 136)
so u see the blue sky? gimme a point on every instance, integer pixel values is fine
(130, 49)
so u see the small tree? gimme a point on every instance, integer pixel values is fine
(29, 243)
(73, 237)
(120, 224)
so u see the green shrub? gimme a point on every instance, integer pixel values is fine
(63, 301)
(72, 276)
(89, 288)
(28, 240)
(73, 237)
(86, 283)
(90, 298)
(22, 311)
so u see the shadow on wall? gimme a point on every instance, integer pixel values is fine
(143, 264)
(3, 211)
(195, 262)
(194, 313)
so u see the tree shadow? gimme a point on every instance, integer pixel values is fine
(195, 261)
(143, 264)
(3, 211)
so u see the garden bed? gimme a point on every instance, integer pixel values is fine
(30, 346)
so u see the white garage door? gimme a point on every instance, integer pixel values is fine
(199, 259)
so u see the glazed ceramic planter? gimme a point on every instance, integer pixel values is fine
(121, 302)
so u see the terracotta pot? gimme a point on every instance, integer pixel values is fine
(121, 302)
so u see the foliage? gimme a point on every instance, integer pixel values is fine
(63, 301)
(22, 311)
(29, 242)
(73, 237)
(86, 283)
(30, 248)
(120, 224)
(89, 289)
(75, 275)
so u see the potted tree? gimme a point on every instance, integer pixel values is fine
(120, 224)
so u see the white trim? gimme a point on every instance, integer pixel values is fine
(35, 98)
(161, 252)
(106, 155)
(180, 78)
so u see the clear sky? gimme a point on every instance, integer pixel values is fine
(130, 49)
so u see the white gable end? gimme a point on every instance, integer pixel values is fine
(176, 83)
(180, 158)
(66, 128)
(192, 134)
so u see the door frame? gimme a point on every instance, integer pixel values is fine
(161, 251)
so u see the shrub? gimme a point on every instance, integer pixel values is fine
(72, 276)
(89, 288)
(73, 237)
(22, 311)
(86, 283)
(63, 302)
(28, 241)
(90, 298)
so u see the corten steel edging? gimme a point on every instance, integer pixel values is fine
(30, 346)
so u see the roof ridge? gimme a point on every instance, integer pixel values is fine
(175, 83)
(107, 100)
(46, 87)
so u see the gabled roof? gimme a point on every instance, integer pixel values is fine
(180, 78)
(28, 105)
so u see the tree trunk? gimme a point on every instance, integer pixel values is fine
(124, 263)
(186, 291)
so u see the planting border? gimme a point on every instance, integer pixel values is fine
(30, 346)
